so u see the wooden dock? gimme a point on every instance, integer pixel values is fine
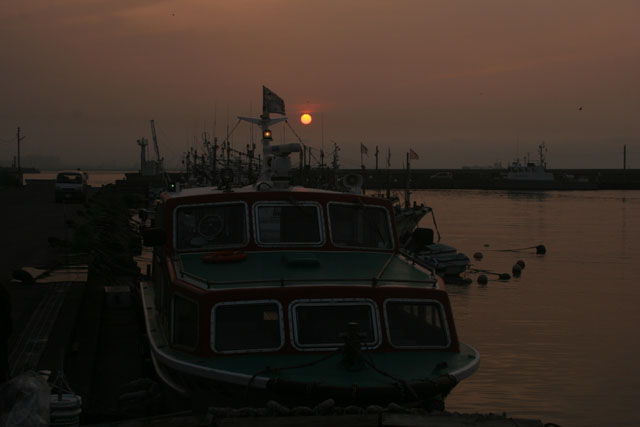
(384, 419)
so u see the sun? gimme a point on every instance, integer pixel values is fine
(305, 119)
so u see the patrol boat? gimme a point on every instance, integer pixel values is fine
(279, 292)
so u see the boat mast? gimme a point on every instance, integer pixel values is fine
(388, 173)
(274, 104)
(542, 149)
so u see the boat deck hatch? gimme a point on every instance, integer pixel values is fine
(297, 261)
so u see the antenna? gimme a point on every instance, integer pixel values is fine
(271, 103)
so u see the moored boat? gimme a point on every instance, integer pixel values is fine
(444, 259)
(279, 292)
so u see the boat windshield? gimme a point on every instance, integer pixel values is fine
(211, 226)
(361, 226)
(281, 223)
(324, 324)
(415, 323)
(251, 326)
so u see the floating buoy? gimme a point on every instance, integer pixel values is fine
(482, 279)
(504, 276)
(541, 250)
(516, 270)
(521, 264)
(478, 255)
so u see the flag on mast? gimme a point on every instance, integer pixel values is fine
(271, 103)
(364, 150)
(413, 155)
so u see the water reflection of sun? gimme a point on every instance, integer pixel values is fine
(305, 119)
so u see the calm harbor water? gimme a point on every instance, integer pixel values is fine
(558, 343)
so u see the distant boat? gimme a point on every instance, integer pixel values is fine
(535, 176)
(518, 172)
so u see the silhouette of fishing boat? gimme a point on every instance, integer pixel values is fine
(278, 292)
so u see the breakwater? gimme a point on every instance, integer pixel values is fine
(479, 179)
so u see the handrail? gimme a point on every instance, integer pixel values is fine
(416, 260)
(282, 281)
(384, 267)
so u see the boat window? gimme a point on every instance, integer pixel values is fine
(416, 324)
(288, 224)
(323, 324)
(253, 326)
(360, 226)
(211, 226)
(185, 322)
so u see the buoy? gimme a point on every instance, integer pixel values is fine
(521, 264)
(482, 279)
(478, 255)
(516, 270)
(541, 250)
(504, 276)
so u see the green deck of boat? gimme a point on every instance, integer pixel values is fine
(264, 268)
(411, 366)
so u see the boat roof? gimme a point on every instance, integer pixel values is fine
(204, 191)
(303, 268)
(250, 193)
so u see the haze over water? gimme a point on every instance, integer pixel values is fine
(461, 82)
(560, 342)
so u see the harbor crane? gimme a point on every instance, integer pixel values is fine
(155, 142)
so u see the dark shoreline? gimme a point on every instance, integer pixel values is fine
(491, 179)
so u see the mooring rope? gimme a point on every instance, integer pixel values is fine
(540, 249)
(435, 224)
(501, 276)
(269, 369)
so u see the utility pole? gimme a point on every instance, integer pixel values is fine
(388, 173)
(376, 158)
(18, 139)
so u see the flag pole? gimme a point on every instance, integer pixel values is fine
(407, 192)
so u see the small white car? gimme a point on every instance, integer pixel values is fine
(442, 175)
(71, 185)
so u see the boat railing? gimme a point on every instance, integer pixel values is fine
(373, 281)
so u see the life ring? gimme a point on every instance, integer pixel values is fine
(224, 256)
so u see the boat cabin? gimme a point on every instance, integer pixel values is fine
(294, 294)
(288, 272)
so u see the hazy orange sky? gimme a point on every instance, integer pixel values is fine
(460, 82)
